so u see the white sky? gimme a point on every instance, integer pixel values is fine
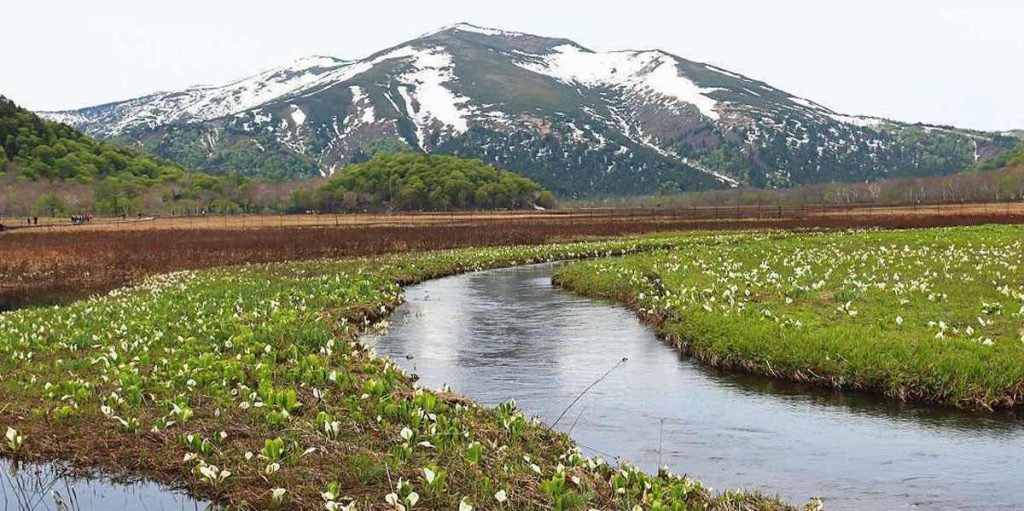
(940, 61)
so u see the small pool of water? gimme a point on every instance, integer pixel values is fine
(508, 333)
(51, 487)
(13, 303)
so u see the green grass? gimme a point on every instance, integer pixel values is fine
(932, 315)
(247, 386)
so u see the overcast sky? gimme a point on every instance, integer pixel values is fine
(939, 61)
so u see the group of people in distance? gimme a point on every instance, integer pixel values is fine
(81, 219)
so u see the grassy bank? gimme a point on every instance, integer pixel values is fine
(247, 386)
(930, 315)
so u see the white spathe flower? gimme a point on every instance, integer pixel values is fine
(501, 496)
(406, 434)
(464, 505)
(413, 498)
(14, 439)
(429, 475)
(392, 498)
(899, 320)
(277, 494)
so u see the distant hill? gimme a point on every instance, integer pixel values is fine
(579, 122)
(417, 182)
(40, 149)
(51, 168)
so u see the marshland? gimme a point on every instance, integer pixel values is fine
(254, 386)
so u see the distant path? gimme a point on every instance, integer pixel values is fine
(703, 217)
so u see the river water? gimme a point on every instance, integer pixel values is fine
(51, 487)
(508, 333)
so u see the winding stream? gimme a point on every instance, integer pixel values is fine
(507, 333)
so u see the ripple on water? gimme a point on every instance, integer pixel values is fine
(52, 487)
(508, 334)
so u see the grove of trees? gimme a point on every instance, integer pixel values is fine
(48, 168)
(419, 182)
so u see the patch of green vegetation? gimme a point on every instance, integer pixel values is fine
(412, 181)
(222, 148)
(934, 315)
(1012, 158)
(40, 149)
(248, 386)
(53, 169)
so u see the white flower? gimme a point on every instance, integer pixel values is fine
(501, 496)
(392, 498)
(406, 434)
(899, 320)
(464, 505)
(14, 439)
(429, 475)
(413, 498)
(277, 494)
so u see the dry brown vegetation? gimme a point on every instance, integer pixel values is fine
(43, 265)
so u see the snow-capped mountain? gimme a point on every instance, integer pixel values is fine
(579, 122)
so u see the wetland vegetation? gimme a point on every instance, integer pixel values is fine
(931, 315)
(246, 386)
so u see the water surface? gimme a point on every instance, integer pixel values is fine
(52, 487)
(507, 333)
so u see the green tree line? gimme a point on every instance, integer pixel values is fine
(51, 168)
(419, 182)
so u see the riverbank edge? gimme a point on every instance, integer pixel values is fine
(111, 465)
(675, 334)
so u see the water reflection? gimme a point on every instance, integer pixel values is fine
(10, 303)
(51, 487)
(507, 334)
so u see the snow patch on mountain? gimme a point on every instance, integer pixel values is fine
(297, 115)
(859, 121)
(636, 71)
(426, 96)
(466, 27)
(205, 102)
(361, 100)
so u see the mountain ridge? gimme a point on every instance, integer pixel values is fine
(580, 122)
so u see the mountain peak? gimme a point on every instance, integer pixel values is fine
(476, 29)
(312, 61)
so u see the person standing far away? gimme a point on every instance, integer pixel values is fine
(35, 220)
